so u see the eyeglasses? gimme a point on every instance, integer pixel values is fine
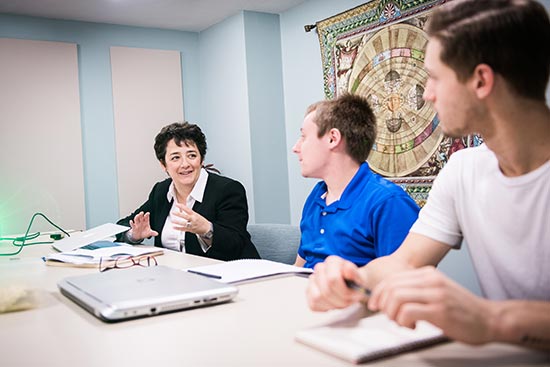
(126, 262)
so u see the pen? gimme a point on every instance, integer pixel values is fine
(205, 274)
(352, 285)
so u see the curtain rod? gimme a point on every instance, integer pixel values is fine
(309, 27)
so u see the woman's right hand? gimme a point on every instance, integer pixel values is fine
(141, 228)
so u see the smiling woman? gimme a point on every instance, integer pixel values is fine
(193, 210)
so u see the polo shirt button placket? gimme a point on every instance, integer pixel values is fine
(323, 214)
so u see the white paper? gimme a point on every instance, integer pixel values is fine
(247, 269)
(92, 256)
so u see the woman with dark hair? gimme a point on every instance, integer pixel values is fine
(192, 211)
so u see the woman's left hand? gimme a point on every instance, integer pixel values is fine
(190, 221)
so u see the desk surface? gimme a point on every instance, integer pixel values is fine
(256, 329)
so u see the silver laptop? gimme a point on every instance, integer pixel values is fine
(80, 239)
(122, 294)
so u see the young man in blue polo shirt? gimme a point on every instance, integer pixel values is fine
(353, 212)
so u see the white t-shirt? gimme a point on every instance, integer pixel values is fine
(504, 220)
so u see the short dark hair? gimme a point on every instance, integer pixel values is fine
(180, 132)
(352, 115)
(511, 36)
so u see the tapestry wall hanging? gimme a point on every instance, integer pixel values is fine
(377, 50)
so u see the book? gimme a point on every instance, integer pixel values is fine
(357, 335)
(237, 271)
(90, 255)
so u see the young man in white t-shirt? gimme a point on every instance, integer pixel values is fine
(488, 65)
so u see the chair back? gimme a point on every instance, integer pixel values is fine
(276, 242)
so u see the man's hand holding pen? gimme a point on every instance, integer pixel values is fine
(335, 283)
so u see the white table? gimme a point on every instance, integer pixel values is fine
(257, 329)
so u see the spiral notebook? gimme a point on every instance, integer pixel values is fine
(357, 336)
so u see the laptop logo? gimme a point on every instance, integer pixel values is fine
(146, 280)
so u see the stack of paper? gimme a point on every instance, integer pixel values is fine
(89, 255)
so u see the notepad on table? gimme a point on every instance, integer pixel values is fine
(357, 338)
(247, 269)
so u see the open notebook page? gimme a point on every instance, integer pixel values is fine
(247, 269)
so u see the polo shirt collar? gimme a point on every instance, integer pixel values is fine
(349, 195)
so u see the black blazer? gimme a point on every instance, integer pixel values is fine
(224, 204)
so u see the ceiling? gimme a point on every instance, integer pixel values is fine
(184, 15)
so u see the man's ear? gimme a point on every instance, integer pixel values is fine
(334, 137)
(483, 80)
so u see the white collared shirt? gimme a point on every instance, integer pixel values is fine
(174, 239)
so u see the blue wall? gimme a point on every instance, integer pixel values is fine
(247, 82)
(267, 119)
(303, 82)
(242, 109)
(224, 101)
(98, 139)
(230, 88)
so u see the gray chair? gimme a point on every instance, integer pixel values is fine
(276, 242)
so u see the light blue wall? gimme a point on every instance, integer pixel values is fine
(246, 131)
(242, 109)
(224, 101)
(303, 82)
(239, 85)
(267, 119)
(98, 139)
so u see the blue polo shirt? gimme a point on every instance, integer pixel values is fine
(371, 219)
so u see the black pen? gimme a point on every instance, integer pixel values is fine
(352, 285)
(205, 274)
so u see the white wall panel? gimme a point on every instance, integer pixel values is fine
(147, 95)
(40, 135)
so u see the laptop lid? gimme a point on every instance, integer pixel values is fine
(80, 239)
(122, 294)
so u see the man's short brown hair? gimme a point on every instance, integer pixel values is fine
(511, 36)
(352, 115)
